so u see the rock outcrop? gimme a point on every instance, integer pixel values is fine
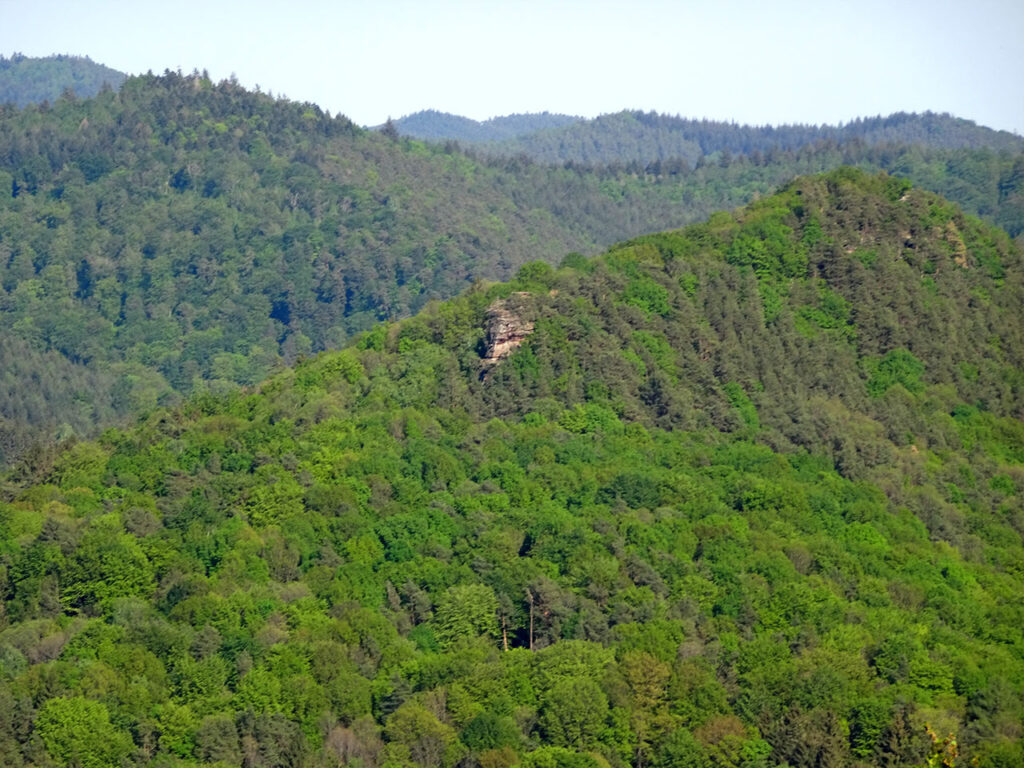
(507, 328)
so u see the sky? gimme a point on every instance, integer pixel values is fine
(751, 61)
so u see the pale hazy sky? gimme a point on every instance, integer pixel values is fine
(753, 61)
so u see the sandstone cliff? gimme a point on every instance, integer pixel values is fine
(507, 328)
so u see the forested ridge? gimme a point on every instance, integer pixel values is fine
(745, 494)
(643, 137)
(30, 80)
(179, 231)
(179, 234)
(434, 125)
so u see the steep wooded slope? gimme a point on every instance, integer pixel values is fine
(585, 554)
(811, 305)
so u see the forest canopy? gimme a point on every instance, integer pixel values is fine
(744, 494)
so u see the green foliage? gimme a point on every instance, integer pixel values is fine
(106, 565)
(490, 731)
(742, 403)
(535, 275)
(574, 713)
(832, 313)
(429, 743)
(466, 611)
(648, 295)
(897, 367)
(78, 732)
(558, 757)
(590, 418)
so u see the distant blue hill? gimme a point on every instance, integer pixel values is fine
(28, 80)
(432, 125)
(646, 137)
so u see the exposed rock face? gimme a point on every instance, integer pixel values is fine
(506, 329)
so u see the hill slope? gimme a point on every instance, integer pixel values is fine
(418, 552)
(196, 232)
(179, 234)
(28, 80)
(818, 300)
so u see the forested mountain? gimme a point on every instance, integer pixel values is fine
(743, 495)
(632, 136)
(193, 231)
(178, 234)
(31, 80)
(433, 125)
